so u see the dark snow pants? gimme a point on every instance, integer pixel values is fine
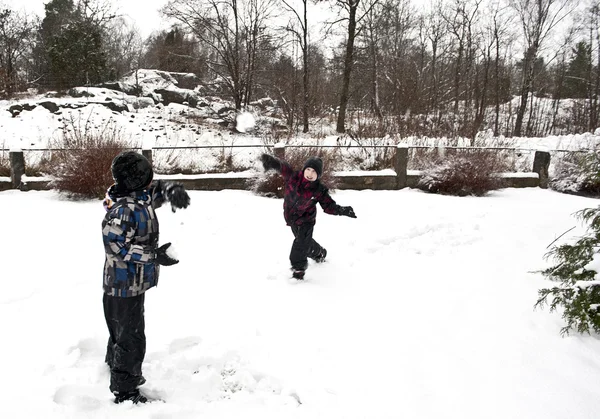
(126, 343)
(304, 246)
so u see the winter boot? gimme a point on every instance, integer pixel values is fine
(134, 396)
(299, 275)
(322, 256)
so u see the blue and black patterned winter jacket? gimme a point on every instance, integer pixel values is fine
(130, 235)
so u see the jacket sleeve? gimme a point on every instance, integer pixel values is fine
(273, 163)
(327, 203)
(117, 234)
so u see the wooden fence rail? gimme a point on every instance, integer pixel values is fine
(397, 177)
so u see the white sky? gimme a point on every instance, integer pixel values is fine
(144, 13)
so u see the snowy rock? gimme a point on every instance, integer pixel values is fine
(142, 102)
(263, 103)
(186, 80)
(114, 106)
(225, 110)
(80, 92)
(175, 95)
(17, 109)
(51, 106)
(127, 88)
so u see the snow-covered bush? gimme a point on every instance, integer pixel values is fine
(81, 159)
(4, 164)
(271, 183)
(470, 173)
(577, 173)
(4, 160)
(368, 153)
(576, 269)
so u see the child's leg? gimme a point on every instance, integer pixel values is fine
(301, 246)
(110, 350)
(316, 251)
(125, 321)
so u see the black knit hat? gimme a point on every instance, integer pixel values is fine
(315, 163)
(131, 171)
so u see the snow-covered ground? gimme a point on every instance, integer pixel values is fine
(424, 309)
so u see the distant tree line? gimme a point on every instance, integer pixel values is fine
(461, 65)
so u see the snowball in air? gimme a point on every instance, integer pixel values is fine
(244, 121)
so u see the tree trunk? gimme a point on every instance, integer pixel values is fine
(348, 63)
(525, 88)
(375, 77)
(497, 84)
(457, 76)
(594, 116)
(558, 94)
(305, 79)
(481, 108)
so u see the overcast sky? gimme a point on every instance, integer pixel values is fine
(144, 13)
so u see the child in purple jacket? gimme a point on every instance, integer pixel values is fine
(303, 190)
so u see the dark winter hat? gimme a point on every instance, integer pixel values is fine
(315, 163)
(131, 171)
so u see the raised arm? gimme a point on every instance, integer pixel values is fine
(173, 192)
(272, 163)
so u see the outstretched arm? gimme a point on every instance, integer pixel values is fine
(173, 192)
(273, 163)
(330, 207)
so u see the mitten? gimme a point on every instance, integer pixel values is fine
(270, 163)
(162, 258)
(178, 197)
(347, 211)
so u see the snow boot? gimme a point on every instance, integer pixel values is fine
(134, 396)
(322, 256)
(299, 275)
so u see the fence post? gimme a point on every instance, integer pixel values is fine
(17, 167)
(148, 154)
(401, 165)
(541, 162)
(279, 151)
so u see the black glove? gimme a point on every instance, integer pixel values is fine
(347, 211)
(162, 258)
(270, 162)
(178, 197)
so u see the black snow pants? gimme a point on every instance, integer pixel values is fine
(304, 246)
(126, 343)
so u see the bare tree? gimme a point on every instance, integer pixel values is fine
(498, 30)
(435, 31)
(399, 65)
(122, 44)
(537, 19)
(372, 35)
(594, 27)
(96, 12)
(233, 30)
(492, 41)
(354, 16)
(15, 36)
(301, 36)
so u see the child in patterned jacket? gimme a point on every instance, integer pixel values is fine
(303, 190)
(131, 267)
